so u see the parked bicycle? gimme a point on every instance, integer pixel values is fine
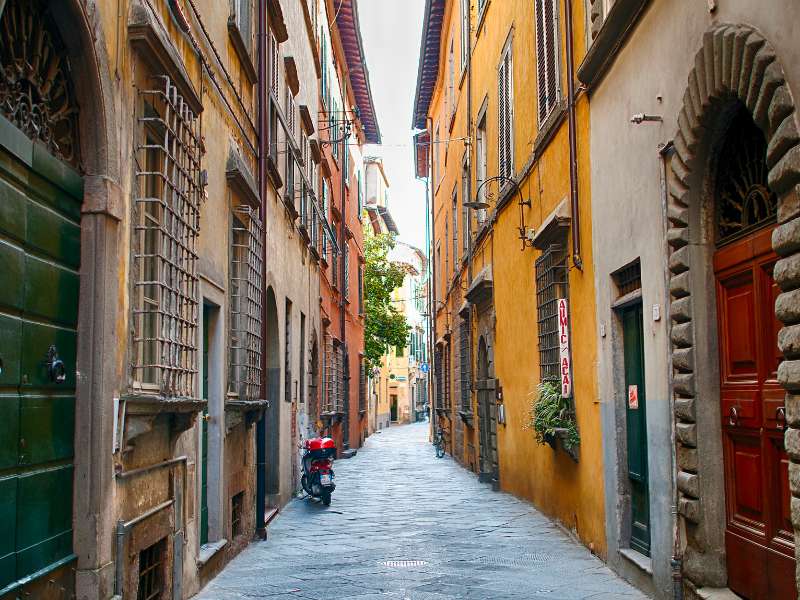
(438, 442)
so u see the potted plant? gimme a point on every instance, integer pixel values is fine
(551, 418)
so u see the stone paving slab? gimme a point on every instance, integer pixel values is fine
(395, 501)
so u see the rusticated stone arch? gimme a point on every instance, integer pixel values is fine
(735, 66)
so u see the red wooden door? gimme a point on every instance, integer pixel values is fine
(758, 535)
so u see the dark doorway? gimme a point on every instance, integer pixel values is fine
(393, 407)
(487, 415)
(273, 414)
(636, 427)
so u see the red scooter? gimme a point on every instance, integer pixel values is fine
(317, 479)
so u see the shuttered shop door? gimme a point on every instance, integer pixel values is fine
(39, 264)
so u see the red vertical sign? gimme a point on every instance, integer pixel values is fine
(564, 356)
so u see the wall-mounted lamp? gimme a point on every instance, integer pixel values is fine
(478, 205)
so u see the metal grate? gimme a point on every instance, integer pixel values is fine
(334, 375)
(438, 358)
(168, 192)
(287, 351)
(404, 564)
(151, 571)
(362, 385)
(551, 285)
(237, 506)
(522, 560)
(245, 298)
(629, 279)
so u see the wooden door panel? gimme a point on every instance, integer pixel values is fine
(745, 493)
(781, 534)
(739, 352)
(747, 566)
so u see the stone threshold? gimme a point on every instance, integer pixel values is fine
(642, 562)
(208, 551)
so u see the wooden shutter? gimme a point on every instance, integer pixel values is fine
(506, 104)
(273, 62)
(546, 56)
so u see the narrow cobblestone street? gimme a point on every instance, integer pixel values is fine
(396, 502)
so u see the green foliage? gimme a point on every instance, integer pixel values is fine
(385, 326)
(549, 413)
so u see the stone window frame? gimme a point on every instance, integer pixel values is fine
(734, 63)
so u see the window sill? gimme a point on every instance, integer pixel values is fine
(208, 551)
(644, 563)
(240, 46)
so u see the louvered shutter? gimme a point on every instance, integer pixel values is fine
(546, 56)
(273, 46)
(506, 105)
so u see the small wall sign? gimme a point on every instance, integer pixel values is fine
(633, 397)
(564, 356)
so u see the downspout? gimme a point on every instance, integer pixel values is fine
(263, 138)
(573, 142)
(342, 303)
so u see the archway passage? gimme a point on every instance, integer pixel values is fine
(736, 152)
(40, 234)
(758, 539)
(273, 413)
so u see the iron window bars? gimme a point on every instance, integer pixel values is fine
(362, 385)
(168, 192)
(551, 284)
(466, 364)
(247, 253)
(151, 571)
(333, 376)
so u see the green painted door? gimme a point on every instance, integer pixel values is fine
(40, 202)
(636, 425)
(204, 435)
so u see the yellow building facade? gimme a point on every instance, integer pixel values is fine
(508, 173)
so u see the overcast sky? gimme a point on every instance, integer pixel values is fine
(391, 31)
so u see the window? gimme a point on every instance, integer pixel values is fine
(447, 379)
(454, 222)
(466, 227)
(438, 371)
(452, 86)
(237, 507)
(439, 269)
(151, 571)
(505, 85)
(437, 153)
(346, 270)
(166, 207)
(245, 304)
(287, 363)
(242, 17)
(464, 33)
(551, 285)
(446, 264)
(362, 384)
(291, 121)
(274, 63)
(466, 365)
(547, 56)
(360, 196)
(480, 164)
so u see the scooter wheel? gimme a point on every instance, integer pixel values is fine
(326, 498)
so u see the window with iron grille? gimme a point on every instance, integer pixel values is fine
(547, 52)
(237, 507)
(334, 375)
(302, 370)
(438, 370)
(505, 84)
(448, 377)
(466, 218)
(151, 571)
(454, 221)
(551, 285)
(362, 384)
(360, 289)
(287, 352)
(166, 219)
(466, 365)
(245, 304)
(290, 174)
(628, 278)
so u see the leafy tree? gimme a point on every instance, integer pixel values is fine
(385, 326)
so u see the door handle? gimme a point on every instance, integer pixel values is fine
(780, 416)
(55, 366)
(733, 417)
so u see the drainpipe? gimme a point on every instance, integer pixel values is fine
(342, 303)
(573, 141)
(263, 147)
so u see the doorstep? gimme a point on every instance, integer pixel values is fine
(644, 563)
(207, 551)
(717, 594)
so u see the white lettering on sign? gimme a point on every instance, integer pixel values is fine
(563, 346)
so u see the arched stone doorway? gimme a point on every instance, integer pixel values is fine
(487, 417)
(54, 139)
(273, 413)
(735, 172)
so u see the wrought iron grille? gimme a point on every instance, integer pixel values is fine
(438, 358)
(35, 79)
(744, 200)
(334, 375)
(551, 284)
(466, 366)
(362, 385)
(166, 218)
(151, 571)
(245, 304)
(629, 279)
